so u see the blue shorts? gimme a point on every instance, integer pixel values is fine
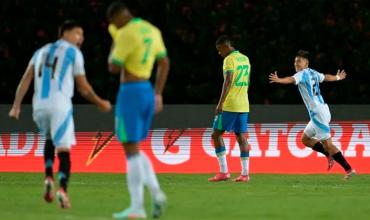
(231, 121)
(134, 111)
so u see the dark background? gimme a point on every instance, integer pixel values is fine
(270, 32)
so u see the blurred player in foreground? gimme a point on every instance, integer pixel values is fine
(137, 44)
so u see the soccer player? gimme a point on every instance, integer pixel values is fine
(316, 135)
(232, 109)
(137, 44)
(54, 68)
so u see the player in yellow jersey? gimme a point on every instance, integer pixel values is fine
(232, 109)
(137, 44)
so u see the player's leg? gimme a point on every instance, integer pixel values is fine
(135, 183)
(339, 158)
(129, 127)
(159, 199)
(49, 156)
(222, 123)
(309, 141)
(42, 120)
(62, 130)
(321, 125)
(240, 129)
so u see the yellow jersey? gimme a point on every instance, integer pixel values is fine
(136, 47)
(237, 64)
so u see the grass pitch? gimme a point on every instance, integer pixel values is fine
(191, 197)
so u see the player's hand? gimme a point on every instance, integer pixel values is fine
(14, 112)
(341, 74)
(273, 77)
(218, 109)
(105, 106)
(158, 103)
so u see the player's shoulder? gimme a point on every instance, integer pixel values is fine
(313, 71)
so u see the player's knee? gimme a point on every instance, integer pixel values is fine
(305, 140)
(216, 135)
(240, 136)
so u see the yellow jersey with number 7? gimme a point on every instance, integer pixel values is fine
(238, 65)
(137, 45)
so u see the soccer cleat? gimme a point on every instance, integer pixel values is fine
(242, 178)
(330, 162)
(349, 174)
(63, 199)
(219, 177)
(159, 204)
(49, 189)
(130, 214)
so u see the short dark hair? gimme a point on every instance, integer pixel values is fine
(68, 25)
(304, 54)
(115, 7)
(224, 39)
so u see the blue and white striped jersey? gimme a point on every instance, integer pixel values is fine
(308, 85)
(55, 66)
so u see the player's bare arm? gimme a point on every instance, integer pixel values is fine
(341, 74)
(224, 92)
(22, 89)
(88, 93)
(161, 78)
(113, 68)
(274, 78)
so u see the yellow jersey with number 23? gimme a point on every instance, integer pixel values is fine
(237, 64)
(137, 45)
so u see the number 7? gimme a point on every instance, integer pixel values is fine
(148, 44)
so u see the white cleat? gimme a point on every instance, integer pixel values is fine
(130, 214)
(159, 204)
(349, 174)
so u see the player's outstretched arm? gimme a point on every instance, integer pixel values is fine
(22, 89)
(88, 93)
(274, 78)
(163, 68)
(341, 74)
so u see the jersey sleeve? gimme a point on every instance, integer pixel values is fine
(124, 44)
(33, 58)
(112, 29)
(298, 77)
(161, 50)
(320, 76)
(228, 66)
(79, 64)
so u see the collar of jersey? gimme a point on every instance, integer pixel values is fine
(135, 20)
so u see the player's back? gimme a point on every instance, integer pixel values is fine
(237, 98)
(55, 66)
(137, 46)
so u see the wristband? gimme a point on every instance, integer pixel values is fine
(338, 77)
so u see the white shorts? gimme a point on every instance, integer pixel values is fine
(56, 125)
(318, 126)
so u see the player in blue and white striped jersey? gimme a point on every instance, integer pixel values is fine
(316, 135)
(54, 68)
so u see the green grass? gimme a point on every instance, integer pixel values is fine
(191, 197)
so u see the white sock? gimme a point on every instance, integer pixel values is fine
(223, 163)
(135, 182)
(150, 179)
(245, 165)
